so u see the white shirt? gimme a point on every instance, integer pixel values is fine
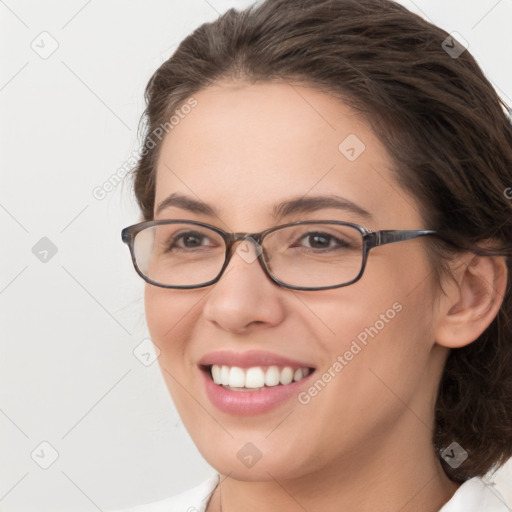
(474, 495)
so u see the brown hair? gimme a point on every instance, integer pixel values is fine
(440, 120)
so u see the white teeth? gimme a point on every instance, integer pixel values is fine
(272, 376)
(224, 375)
(236, 377)
(286, 375)
(216, 374)
(256, 377)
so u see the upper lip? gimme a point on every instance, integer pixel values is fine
(250, 358)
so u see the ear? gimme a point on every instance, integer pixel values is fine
(472, 299)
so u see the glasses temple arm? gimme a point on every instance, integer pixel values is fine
(394, 235)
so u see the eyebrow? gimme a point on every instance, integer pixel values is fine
(302, 204)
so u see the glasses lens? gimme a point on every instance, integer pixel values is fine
(314, 255)
(179, 254)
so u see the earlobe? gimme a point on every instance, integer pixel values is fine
(472, 300)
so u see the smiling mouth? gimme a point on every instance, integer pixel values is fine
(255, 378)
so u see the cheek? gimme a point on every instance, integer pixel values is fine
(378, 353)
(169, 312)
(170, 317)
(159, 314)
(381, 324)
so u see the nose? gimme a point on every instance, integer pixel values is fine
(244, 297)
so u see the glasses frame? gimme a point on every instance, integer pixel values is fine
(371, 239)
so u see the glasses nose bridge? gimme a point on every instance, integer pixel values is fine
(232, 238)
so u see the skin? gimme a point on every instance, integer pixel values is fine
(364, 442)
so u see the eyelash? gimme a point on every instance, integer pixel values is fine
(341, 243)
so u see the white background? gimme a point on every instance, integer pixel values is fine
(69, 326)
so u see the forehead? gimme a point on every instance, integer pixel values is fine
(246, 147)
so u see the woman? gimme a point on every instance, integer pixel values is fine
(351, 347)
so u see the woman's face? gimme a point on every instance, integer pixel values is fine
(243, 150)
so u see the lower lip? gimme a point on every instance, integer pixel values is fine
(250, 402)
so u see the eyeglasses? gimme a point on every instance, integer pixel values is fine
(305, 255)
